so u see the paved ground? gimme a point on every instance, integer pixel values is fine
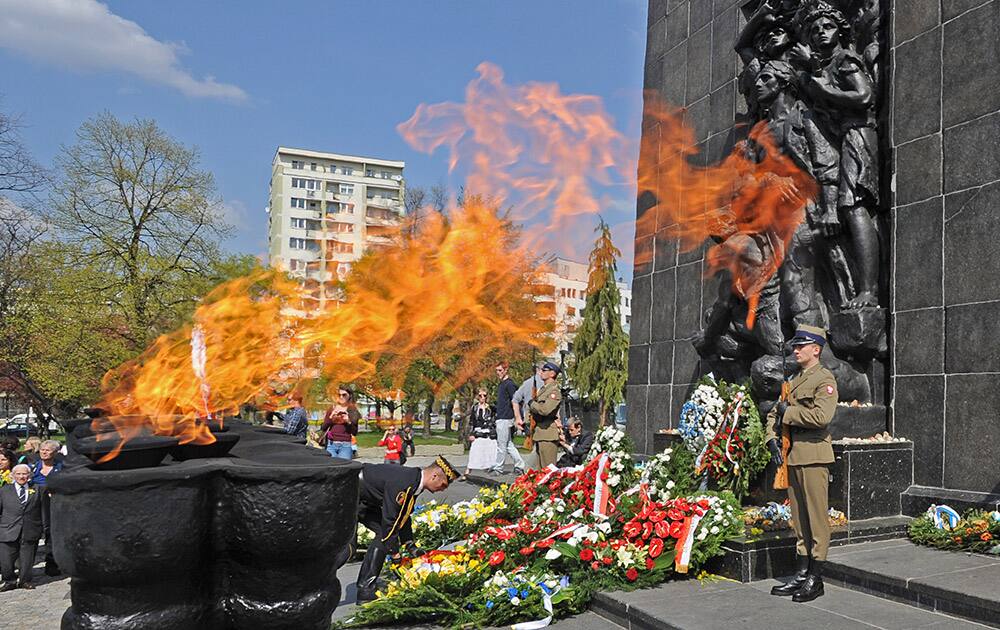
(693, 605)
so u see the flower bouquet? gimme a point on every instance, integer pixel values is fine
(721, 426)
(977, 531)
(435, 525)
(669, 474)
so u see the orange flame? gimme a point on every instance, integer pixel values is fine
(750, 204)
(457, 291)
(531, 146)
(454, 294)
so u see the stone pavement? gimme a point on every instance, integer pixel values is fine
(694, 605)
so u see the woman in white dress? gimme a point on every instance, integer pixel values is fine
(482, 434)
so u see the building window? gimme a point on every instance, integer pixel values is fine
(347, 170)
(295, 264)
(300, 224)
(386, 174)
(369, 172)
(297, 164)
(298, 202)
(297, 243)
(347, 189)
(570, 311)
(312, 166)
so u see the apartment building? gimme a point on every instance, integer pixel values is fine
(566, 283)
(326, 209)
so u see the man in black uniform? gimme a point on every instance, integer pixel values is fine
(388, 494)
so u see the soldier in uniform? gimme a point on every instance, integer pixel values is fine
(807, 413)
(388, 493)
(545, 409)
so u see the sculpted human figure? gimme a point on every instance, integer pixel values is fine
(841, 92)
(765, 37)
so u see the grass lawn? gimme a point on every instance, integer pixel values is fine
(367, 439)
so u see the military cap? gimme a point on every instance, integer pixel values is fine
(446, 467)
(808, 334)
(548, 365)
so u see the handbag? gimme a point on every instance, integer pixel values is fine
(321, 439)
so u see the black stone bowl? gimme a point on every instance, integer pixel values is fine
(224, 442)
(72, 423)
(144, 451)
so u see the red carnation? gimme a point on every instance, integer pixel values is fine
(650, 565)
(655, 548)
(632, 574)
(587, 555)
(496, 558)
(607, 560)
(595, 565)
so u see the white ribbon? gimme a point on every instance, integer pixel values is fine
(540, 623)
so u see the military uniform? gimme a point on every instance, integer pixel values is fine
(544, 407)
(387, 496)
(812, 402)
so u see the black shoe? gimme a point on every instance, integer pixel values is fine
(27, 586)
(7, 586)
(51, 569)
(798, 578)
(365, 594)
(813, 586)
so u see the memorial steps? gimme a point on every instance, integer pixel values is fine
(891, 584)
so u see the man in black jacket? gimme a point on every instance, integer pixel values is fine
(21, 525)
(576, 447)
(388, 494)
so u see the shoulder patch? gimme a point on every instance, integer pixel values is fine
(829, 389)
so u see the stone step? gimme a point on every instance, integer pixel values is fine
(710, 605)
(960, 584)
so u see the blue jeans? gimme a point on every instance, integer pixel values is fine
(505, 446)
(341, 450)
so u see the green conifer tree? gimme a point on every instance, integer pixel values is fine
(599, 365)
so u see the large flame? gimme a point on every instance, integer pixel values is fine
(750, 204)
(456, 293)
(458, 290)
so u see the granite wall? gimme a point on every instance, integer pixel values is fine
(945, 136)
(941, 140)
(690, 60)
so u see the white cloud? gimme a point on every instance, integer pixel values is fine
(86, 35)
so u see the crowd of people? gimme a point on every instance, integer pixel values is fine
(25, 514)
(489, 426)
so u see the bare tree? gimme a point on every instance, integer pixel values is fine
(19, 173)
(413, 202)
(439, 197)
(133, 202)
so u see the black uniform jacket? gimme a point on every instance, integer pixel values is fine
(388, 494)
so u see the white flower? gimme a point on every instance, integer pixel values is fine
(671, 484)
(515, 601)
(714, 530)
(614, 480)
(552, 554)
(702, 535)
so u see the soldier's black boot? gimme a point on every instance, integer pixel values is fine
(798, 578)
(813, 586)
(371, 566)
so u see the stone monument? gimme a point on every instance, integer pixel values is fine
(891, 108)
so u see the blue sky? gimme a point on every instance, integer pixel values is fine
(237, 79)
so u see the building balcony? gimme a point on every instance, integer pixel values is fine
(378, 240)
(383, 202)
(383, 220)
